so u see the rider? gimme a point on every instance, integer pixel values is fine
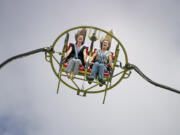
(101, 58)
(76, 54)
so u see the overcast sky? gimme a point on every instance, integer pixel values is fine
(149, 31)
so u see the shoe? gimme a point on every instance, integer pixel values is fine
(72, 75)
(101, 82)
(90, 80)
(68, 75)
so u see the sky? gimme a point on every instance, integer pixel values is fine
(149, 31)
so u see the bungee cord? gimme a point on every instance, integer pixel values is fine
(135, 68)
(45, 49)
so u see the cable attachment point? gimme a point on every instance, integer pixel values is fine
(49, 49)
(127, 69)
(48, 52)
(128, 66)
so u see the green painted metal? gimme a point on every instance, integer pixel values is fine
(77, 88)
(60, 64)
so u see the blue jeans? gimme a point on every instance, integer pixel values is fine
(98, 68)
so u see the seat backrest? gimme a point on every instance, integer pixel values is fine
(70, 44)
(87, 50)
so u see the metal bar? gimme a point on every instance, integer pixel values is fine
(75, 84)
(55, 59)
(118, 74)
(91, 87)
(105, 93)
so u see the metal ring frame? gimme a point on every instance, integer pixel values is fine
(77, 89)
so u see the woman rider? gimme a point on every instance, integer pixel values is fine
(76, 54)
(101, 58)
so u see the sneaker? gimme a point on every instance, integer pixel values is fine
(90, 80)
(72, 75)
(68, 75)
(101, 82)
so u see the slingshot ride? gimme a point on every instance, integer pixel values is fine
(120, 69)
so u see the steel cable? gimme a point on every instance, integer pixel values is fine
(131, 66)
